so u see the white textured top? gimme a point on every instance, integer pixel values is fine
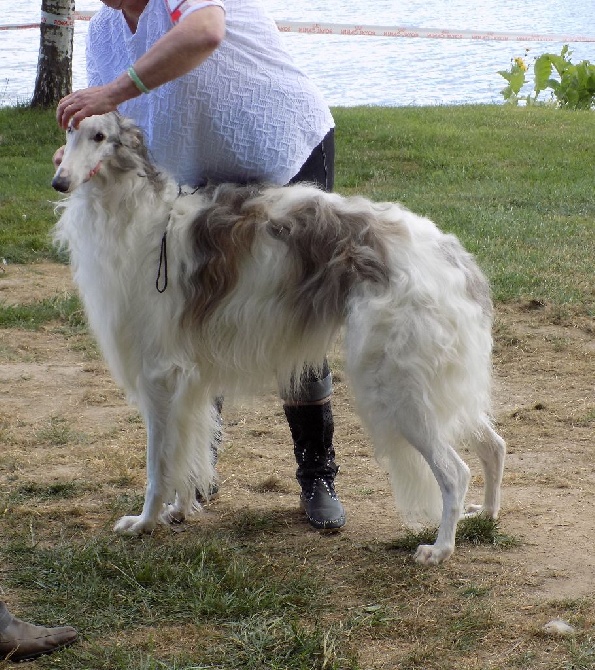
(180, 9)
(246, 113)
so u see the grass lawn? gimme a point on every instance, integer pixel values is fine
(248, 586)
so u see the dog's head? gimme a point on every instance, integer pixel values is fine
(98, 144)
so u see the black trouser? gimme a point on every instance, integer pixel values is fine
(319, 167)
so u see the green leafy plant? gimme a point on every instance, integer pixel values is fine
(516, 78)
(574, 87)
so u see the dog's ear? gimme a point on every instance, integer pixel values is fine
(130, 134)
(129, 147)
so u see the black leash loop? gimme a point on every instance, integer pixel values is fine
(162, 264)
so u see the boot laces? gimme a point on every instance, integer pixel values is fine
(308, 484)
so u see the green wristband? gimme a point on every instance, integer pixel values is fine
(137, 82)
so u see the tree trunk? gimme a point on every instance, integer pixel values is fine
(54, 66)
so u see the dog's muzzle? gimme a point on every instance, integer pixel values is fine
(61, 182)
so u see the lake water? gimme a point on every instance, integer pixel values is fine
(355, 70)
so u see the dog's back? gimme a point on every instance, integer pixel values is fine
(325, 243)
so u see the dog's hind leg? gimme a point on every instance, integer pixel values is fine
(452, 475)
(450, 472)
(428, 477)
(491, 451)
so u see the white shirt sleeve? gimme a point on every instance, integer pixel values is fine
(180, 9)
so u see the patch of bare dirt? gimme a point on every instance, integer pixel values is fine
(21, 284)
(62, 418)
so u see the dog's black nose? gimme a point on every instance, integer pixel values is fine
(60, 184)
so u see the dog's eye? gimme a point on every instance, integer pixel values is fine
(99, 137)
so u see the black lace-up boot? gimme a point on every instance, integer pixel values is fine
(312, 431)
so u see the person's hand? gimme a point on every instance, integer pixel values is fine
(58, 156)
(77, 106)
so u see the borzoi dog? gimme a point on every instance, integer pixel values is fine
(193, 294)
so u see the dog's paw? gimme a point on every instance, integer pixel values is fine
(431, 554)
(177, 514)
(179, 511)
(475, 510)
(134, 525)
(172, 514)
(471, 511)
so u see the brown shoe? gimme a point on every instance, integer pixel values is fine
(21, 641)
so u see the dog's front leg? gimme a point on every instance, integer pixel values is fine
(194, 423)
(155, 403)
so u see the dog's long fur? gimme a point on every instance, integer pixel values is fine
(259, 281)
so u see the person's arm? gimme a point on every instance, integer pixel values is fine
(183, 48)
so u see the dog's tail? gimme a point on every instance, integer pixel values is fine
(415, 489)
